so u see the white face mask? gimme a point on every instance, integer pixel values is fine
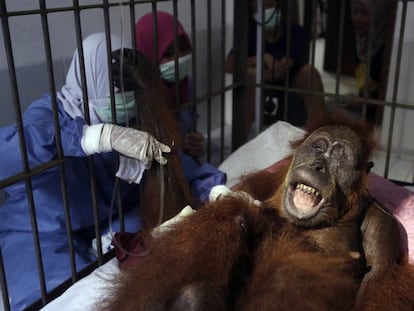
(168, 69)
(272, 17)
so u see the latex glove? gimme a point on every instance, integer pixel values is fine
(217, 191)
(220, 191)
(130, 170)
(127, 141)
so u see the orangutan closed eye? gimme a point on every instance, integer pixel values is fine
(318, 241)
(322, 190)
(325, 169)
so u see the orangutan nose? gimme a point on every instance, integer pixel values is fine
(319, 166)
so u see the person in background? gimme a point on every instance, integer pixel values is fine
(276, 65)
(369, 51)
(79, 140)
(201, 176)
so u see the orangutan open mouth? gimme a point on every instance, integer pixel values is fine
(304, 201)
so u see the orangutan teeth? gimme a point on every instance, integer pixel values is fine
(308, 189)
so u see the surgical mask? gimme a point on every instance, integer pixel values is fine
(272, 17)
(124, 108)
(168, 69)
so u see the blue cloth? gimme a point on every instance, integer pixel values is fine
(202, 177)
(187, 120)
(15, 227)
(21, 268)
(16, 242)
(47, 194)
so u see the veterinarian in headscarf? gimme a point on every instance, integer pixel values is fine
(79, 140)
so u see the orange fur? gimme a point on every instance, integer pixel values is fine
(205, 249)
(157, 118)
(394, 290)
(387, 247)
(233, 255)
(290, 277)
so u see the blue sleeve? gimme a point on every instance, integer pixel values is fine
(201, 177)
(187, 120)
(40, 138)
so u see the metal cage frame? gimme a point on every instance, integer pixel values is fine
(213, 101)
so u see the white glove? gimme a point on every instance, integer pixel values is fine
(127, 141)
(220, 191)
(217, 191)
(168, 224)
(130, 170)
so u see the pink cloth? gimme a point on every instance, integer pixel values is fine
(144, 36)
(399, 201)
